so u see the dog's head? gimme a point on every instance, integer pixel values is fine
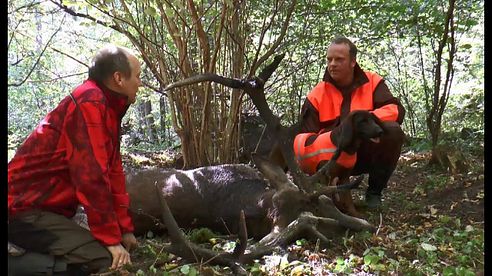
(360, 125)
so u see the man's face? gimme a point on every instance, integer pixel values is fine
(130, 85)
(340, 65)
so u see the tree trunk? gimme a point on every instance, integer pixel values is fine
(441, 92)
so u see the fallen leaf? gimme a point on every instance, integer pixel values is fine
(298, 270)
(428, 247)
(433, 210)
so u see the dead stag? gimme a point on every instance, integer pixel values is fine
(276, 212)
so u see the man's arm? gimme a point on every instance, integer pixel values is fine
(88, 148)
(386, 106)
(121, 199)
(309, 118)
(122, 202)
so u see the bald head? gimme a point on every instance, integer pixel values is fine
(118, 69)
(108, 60)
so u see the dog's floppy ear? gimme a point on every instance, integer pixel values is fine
(378, 121)
(346, 132)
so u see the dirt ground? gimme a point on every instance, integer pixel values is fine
(459, 195)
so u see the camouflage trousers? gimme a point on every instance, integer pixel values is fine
(54, 245)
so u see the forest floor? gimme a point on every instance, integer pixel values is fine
(430, 223)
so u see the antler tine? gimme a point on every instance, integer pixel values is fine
(269, 69)
(325, 168)
(229, 82)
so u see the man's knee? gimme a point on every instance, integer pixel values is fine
(388, 151)
(33, 263)
(93, 256)
(393, 133)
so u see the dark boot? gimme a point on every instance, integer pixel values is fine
(373, 201)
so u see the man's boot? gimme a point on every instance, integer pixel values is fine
(373, 200)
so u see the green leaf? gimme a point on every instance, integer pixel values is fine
(151, 11)
(340, 261)
(428, 247)
(185, 269)
(371, 259)
(448, 271)
(193, 272)
(301, 242)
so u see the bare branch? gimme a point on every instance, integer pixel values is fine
(74, 13)
(58, 78)
(65, 54)
(26, 6)
(277, 42)
(39, 57)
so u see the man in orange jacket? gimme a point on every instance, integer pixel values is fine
(73, 159)
(346, 87)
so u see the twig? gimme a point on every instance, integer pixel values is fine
(158, 255)
(58, 78)
(225, 225)
(39, 57)
(380, 223)
(154, 219)
(63, 53)
(261, 137)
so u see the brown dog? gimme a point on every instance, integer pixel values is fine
(358, 126)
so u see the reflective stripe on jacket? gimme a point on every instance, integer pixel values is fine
(327, 101)
(309, 157)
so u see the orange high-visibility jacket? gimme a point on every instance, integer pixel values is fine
(308, 157)
(327, 100)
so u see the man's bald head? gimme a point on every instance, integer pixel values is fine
(108, 60)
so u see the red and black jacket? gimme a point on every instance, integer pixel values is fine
(73, 157)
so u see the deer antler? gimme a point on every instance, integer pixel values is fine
(229, 82)
(189, 251)
(254, 87)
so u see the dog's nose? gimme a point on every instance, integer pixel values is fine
(379, 132)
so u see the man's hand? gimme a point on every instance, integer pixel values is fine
(120, 256)
(129, 241)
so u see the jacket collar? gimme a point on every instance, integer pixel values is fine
(359, 77)
(116, 101)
